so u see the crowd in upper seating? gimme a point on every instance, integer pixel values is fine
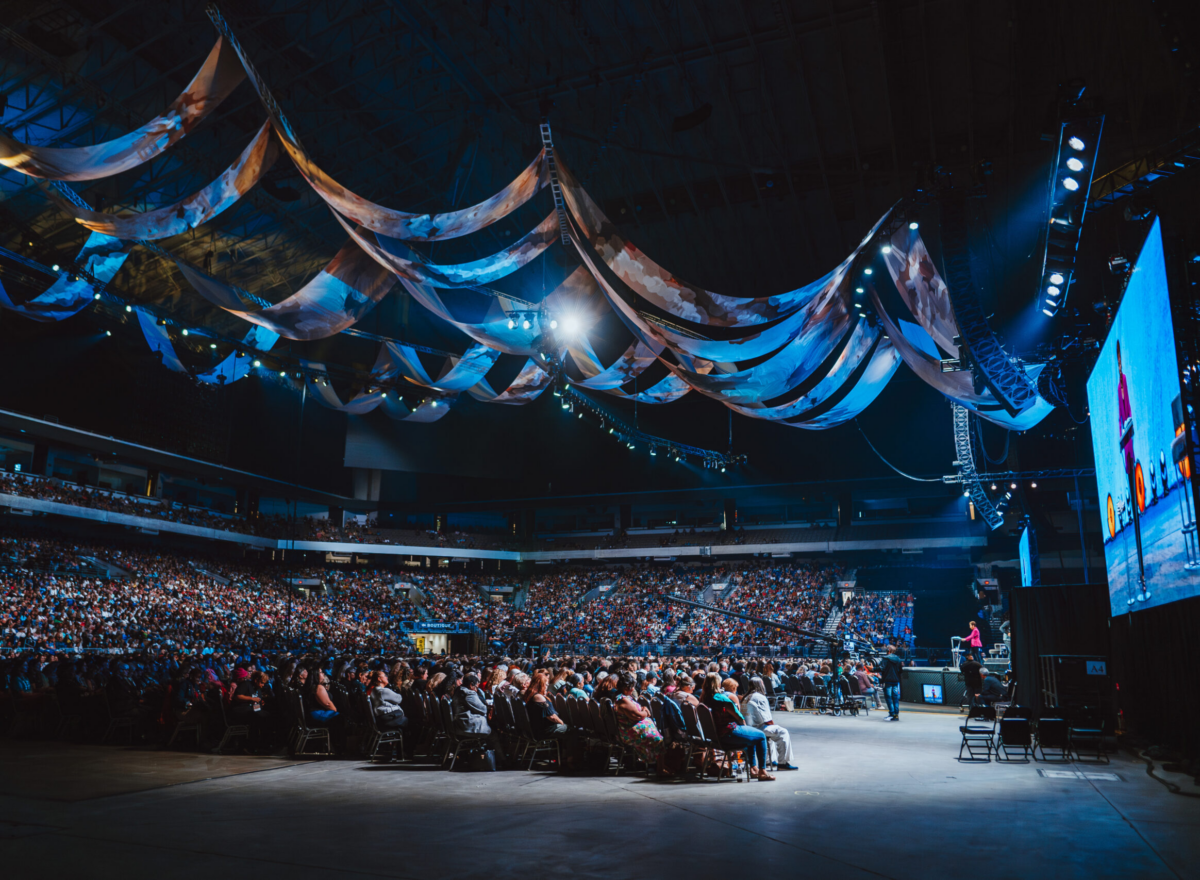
(56, 595)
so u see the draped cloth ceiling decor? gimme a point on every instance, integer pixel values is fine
(345, 290)
(199, 207)
(219, 75)
(101, 257)
(812, 357)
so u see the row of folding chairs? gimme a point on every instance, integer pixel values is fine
(986, 733)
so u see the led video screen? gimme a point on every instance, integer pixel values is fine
(1147, 509)
(1026, 559)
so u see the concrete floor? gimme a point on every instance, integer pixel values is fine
(872, 799)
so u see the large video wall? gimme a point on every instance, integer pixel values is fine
(1147, 507)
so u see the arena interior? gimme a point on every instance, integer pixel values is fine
(376, 500)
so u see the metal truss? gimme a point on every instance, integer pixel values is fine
(1004, 378)
(966, 468)
(555, 186)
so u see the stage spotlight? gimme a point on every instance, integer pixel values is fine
(1075, 143)
(1057, 278)
(722, 468)
(966, 493)
(1048, 313)
(1074, 164)
(993, 487)
(511, 324)
(886, 249)
(1012, 485)
(241, 354)
(185, 333)
(913, 225)
(212, 345)
(525, 324)
(868, 271)
(434, 404)
(1071, 183)
(258, 363)
(1008, 495)
(95, 296)
(1033, 485)
(570, 325)
(1053, 291)
(129, 308)
(54, 268)
(282, 374)
(554, 325)
(1051, 302)
(858, 290)
(652, 452)
(108, 333)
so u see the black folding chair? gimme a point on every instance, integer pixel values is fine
(302, 733)
(1052, 734)
(1016, 732)
(112, 722)
(374, 738)
(231, 731)
(709, 726)
(978, 738)
(534, 745)
(1085, 738)
(457, 739)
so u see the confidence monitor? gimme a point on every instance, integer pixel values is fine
(1147, 505)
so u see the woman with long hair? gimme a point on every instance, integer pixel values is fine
(385, 702)
(732, 728)
(542, 717)
(494, 679)
(321, 709)
(636, 727)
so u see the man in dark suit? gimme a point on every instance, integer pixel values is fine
(971, 677)
(992, 689)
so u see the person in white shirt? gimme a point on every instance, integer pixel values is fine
(757, 712)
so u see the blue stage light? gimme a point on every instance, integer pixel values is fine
(95, 296)
(511, 323)
(54, 267)
(258, 363)
(886, 249)
(1074, 164)
(1056, 278)
(1053, 291)
(858, 290)
(554, 325)
(868, 271)
(913, 225)
(1071, 183)
(108, 333)
(129, 308)
(1048, 313)
(525, 324)
(1075, 143)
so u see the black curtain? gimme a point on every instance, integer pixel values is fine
(1055, 619)
(1155, 654)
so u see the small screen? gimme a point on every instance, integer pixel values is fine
(1026, 559)
(932, 693)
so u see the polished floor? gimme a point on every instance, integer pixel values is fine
(872, 799)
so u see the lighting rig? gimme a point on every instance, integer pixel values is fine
(574, 401)
(1070, 184)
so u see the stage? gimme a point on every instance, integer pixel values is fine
(872, 799)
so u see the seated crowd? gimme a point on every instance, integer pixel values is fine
(353, 697)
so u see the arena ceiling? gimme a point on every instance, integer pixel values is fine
(746, 145)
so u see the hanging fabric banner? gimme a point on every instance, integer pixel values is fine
(833, 384)
(337, 298)
(636, 359)
(430, 409)
(218, 76)
(652, 330)
(491, 324)
(677, 297)
(198, 208)
(667, 390)
(101, 257)
(232, 368)
(529, 385)
(385, 221)
(457, 374)
(401, 259)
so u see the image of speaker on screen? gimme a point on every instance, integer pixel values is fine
(1146, 504)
